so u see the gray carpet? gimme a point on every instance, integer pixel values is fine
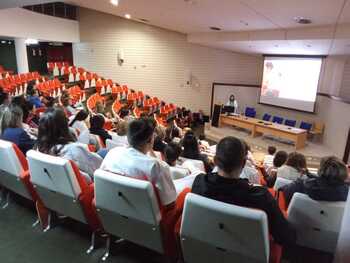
(66, 242)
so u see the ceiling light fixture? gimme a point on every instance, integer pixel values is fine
(31, 41)
(302, 20)
(215, 28)
(115, 2)
(127, 16)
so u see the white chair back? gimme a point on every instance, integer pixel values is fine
(214, 231)
(317, 222)
(56, 183)
(128, 208)
(11, 170)
(193, 165)
(280, 182)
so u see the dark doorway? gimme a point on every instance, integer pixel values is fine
(39, 55)
(347, 149)
(8, 55)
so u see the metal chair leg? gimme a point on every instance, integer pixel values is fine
(7, 201)
(92, 244)
(48, 224)
(108, 247)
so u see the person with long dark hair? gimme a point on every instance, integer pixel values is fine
(97, 123)
(191, 150)
(55, 138)
(78, 122)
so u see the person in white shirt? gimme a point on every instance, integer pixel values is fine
(232, 102)
(249, 171)
(134, 161)
(79, 121)
(294, 168)
(268, 159)
(172, 153)
(55, 138)
(120, 136)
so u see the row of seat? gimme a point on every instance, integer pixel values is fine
(316, 128)
(128, 208)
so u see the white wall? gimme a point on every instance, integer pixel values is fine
(156, 60)
(22, 23)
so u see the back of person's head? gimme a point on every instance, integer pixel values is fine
(18, 101)
(280, 158)
(333, 170)
(31, 91)
(140, 132)
(123, 113)
(4, 97)
(80, 116)
(190, 146)
(230, 155)
(97, 122)
(297, 161)
(122, 128)
(12, 118)
(28, 107)
(49, 102)
(271, 150)
(172, 152)
(53, 130)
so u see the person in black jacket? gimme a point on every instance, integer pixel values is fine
(96, 127)
(227, 187)
(329, 185)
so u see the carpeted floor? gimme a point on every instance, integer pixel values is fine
(65, 243)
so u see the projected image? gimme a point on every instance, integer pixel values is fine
(290, 82)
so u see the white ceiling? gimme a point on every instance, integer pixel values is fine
(19, 3)
(255, 18)
(189, 16)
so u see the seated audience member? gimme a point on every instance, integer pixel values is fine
(328, 186)
(4, 98)
(172, 153)
(125, 115)
(226, 186)
(33, 96)
(12, 128)
(159, 139)
(121, 132)
(67, 105)
(172, 131)
(79, 122)
(268, 159)
(29, 116)
(134, 161)
(99, 108)
(97, 123)
(248, 171)
(250, 158)
(191, 150)
(294, 168)
(279, 160)
(55, 138)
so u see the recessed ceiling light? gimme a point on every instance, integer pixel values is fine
(302, 20)
(308, 45)
(127, 16)
(115, 2)
(3, 41)
(215, 28)
(276, 45)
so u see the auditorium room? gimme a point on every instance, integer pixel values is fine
(174, 131)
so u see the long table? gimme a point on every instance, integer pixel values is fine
(259, 127)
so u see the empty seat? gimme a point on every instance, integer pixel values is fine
(250, 112)
(305, 125)
(317, 222)
(62, 188)
(14, 173)
(266, 117)
(290, 123)
(277, 119)
(128, 208)
(228, 233)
